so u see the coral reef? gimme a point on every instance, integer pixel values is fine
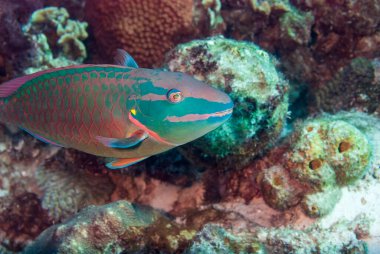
(312, 39)
(339, 238)
(22, 219)
(324, 152)
(354, 86)
(14, 47)
(255, 185)
(116, 227)
(74, 7)
(69, 185)
(125, 227)
(214, 239)
(148, 29)
(271, 24)
(259, 93)
(41, 185)
(58, 40)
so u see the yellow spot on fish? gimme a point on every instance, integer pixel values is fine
(133, 111)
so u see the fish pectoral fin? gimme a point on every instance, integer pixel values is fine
(123, 163)
(136, 138)
(41, 138)
(124, 59)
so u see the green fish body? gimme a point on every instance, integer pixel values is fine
(114, 111)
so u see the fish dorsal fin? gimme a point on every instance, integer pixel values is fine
(123, 58)
(10, 87)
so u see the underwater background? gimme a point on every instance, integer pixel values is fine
(296, 169)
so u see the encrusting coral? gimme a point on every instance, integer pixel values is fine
(258, 90)
(57, 39)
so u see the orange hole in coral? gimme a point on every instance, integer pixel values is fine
(277, 180)
(309, 129)
(315, 164)
(344, 146)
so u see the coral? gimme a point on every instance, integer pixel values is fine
(324, 153)
(278, 190)
(129, 228)
(259, 93)
(139, 27)
(94, 230)
(353, 87)
(74, 7)
(213, 8)
(339, 238)
(336, 148)
(21, 219)
(14, 46)
(116, 227)
(177, 170)
(214, 239)
(271, 24)
(69, 185)
(312, 39)
(22, 216)
(341, 31)
(321, 203)
(58, 39)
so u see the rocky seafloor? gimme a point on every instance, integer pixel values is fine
(295, 170)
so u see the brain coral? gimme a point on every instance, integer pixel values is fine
(146, 29)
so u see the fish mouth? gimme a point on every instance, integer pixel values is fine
(198, 117)
(223, 113)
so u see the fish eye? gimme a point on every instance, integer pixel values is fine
(174, 96)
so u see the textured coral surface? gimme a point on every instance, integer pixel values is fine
(146, 29)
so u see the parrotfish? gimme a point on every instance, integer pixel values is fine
(118, 111)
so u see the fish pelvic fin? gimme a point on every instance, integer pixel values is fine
(123, 163)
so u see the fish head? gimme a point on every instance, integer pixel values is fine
(175, 108)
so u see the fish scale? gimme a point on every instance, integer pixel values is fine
(58, 95)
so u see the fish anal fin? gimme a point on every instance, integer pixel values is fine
(124, 59)
(41, 138)
(123, 163)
